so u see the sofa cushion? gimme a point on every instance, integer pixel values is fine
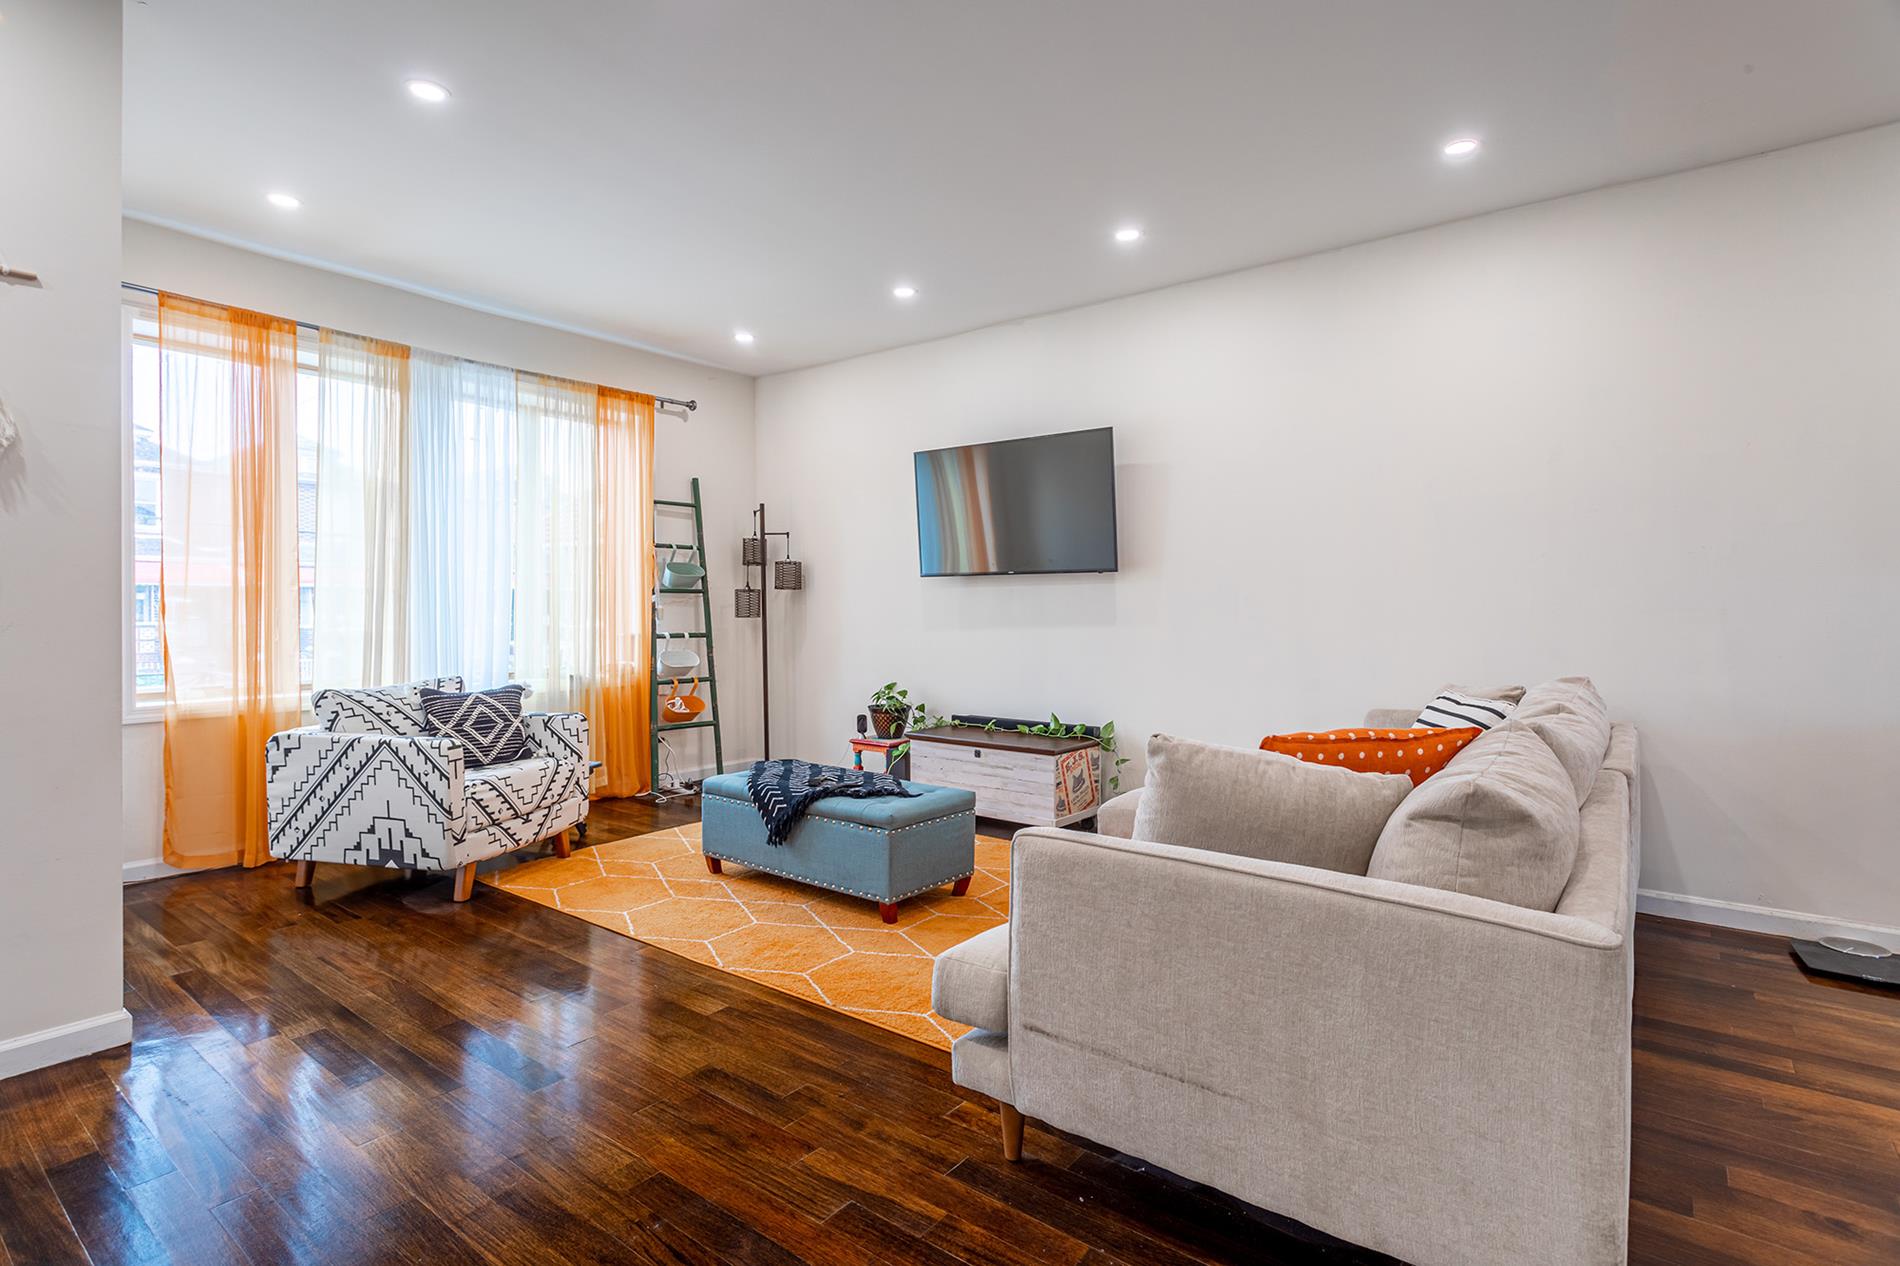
(1571, 718)
(520, 790)
(1262, 804)
(1509, 694)
(970, 983)
(381, 710)
(1499, 822)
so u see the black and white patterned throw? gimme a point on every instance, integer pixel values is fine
(487, 723)
(782, 790)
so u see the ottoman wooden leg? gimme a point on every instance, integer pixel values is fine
(561, 847)
(962, 886)
(887, 910)
(306, 871)
(1012, 1133)
(465, 882)
(712, 864)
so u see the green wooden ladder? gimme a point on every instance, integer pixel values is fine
(710, 719)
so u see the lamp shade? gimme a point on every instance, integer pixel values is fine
(788, 574)
(746, 603)
(752, 551)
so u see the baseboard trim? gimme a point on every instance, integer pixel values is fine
(148, 869)
(63, 1042)
(1747, 918)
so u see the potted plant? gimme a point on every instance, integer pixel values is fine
(890, 710)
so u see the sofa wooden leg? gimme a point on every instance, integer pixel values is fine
(962, 886)
(306, 871)
(465, 882)
(561, 847)
(713, 864)
(887, 911)
(1012, 1133)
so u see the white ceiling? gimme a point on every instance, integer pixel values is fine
(663, 172)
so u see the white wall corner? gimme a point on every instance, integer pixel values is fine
(66, 1041)
(1747, 918)
(146, 869)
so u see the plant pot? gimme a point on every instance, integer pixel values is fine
(887, 724)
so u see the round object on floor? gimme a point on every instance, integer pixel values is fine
(1859, 949)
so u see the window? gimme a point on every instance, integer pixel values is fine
(145, 654)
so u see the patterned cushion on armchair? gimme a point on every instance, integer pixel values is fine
(381, 710)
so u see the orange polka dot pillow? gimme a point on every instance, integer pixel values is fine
(1419, 753)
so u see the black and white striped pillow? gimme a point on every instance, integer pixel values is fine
(1451, 711)
(487, 723)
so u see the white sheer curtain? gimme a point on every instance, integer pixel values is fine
(361, 601)
(555, 537)
(463, 441)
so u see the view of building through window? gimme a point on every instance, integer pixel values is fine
(147, 649)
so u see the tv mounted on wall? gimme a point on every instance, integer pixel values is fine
(1033, 506)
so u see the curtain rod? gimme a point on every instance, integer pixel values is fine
(688, 405)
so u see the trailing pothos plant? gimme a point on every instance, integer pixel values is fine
(1103, 738)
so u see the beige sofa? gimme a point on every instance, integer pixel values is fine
(1428, 1074)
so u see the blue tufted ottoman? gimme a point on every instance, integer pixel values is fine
(882, 849)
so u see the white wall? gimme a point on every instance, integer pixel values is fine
(61, 986)
(716, 444)
(1650, 433)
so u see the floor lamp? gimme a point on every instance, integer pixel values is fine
(749, 604)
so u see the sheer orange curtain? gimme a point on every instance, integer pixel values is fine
(620, 686)
(228, 570)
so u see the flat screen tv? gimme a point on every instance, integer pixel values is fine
(1018, 507)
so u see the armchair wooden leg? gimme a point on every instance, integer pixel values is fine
(306, 871)
(561, 847)
(465, 882)
(887, 911)
(713, 864)
(962, 886)
(1012, 1133)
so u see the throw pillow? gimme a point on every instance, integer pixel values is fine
(1502, 823)
(1572, 719)
(1510, 694)
(487, 723)
(1456, 709)
(1416, 753)
(1263, 804)
(381, 710)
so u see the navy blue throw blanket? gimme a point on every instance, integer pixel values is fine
(782, 790)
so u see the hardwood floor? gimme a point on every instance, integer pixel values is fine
(371, 1073)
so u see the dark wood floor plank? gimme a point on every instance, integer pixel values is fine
(372, 1073)
(109, 1224)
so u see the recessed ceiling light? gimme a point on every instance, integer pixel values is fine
(284, 201)
(742, 336)
(904, 292)
(428, 90)
(1127, 235)
(1463, 147)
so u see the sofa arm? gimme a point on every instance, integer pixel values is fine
(565, 737)
(1116, 817)
(562, 735)
(1425, 1073)
(369, 799)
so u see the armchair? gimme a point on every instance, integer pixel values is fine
(368, 787)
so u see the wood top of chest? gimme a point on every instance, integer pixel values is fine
(1004, 741)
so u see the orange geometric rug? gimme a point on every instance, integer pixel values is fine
(823, 946)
